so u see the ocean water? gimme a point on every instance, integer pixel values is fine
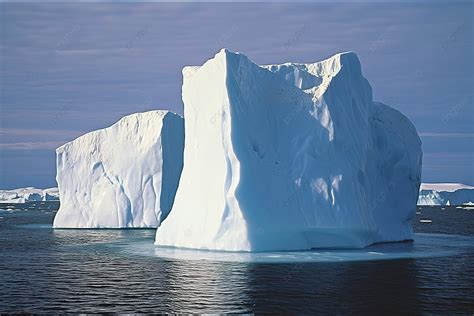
(45, 270)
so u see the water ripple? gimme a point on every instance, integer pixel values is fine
(91, 271)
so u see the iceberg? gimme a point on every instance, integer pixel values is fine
(29, 194)
(445, 194)
(290, 157)
(125, 175)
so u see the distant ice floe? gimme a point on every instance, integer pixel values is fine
(29, 194)
(445, 194)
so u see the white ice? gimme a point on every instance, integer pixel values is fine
(125, 175)
(290, 157)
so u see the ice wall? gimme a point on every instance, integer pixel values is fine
(125, 175)
(288, 157)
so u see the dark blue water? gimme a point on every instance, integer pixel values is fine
(46, 270)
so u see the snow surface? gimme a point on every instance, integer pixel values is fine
(125, 175)
(445, 194)
(29, 194)
(290, 157)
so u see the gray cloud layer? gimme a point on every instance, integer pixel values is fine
(71, 68)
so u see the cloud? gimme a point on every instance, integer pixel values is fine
(8, 133)
(34, 139)
(466, 156)
(30, 145)
(450, 135)
(69, 68)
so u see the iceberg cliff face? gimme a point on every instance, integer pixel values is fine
(125, 175)
(445, 194)
(292, 156)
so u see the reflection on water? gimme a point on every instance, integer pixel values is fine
(372, 287)
(206, 287)
(95, 236)
(46, 270)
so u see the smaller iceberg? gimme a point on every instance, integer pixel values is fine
(125, 175)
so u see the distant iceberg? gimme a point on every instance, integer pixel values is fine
(445, 194)
(290, 157)
(29, 194)
(125, 175)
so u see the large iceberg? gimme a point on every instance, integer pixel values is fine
(125, 175)
(445, 194)
(290, 157)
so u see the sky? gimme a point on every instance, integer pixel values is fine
(70, 68)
